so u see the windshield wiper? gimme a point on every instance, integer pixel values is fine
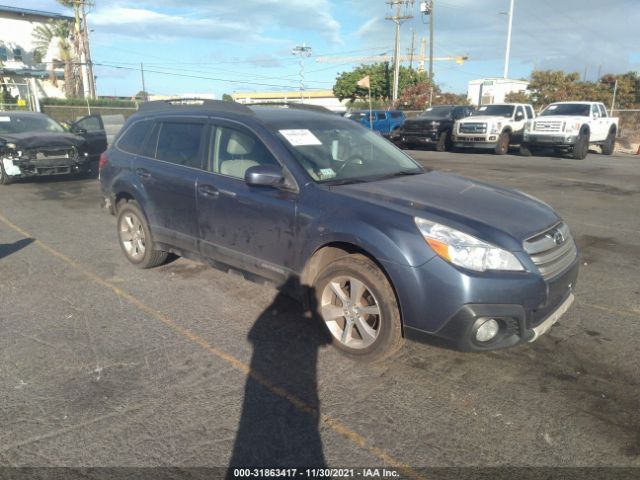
(400, 173)
(344, 181)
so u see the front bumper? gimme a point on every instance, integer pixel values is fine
(475, 141)
(559, 140)
(456, 303)
(20, 168)
(420, 138)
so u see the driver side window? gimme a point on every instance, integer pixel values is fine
(235, 151)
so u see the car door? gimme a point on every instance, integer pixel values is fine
(249, 227)
(599, 128)
(92, 130)
(168, 169)
(519, 119)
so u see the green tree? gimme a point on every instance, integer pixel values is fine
(227, 98)
(627, 91)
(381, 80)
(416, 97)
(517, 97)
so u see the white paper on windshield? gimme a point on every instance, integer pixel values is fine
(300, 137)
(5, 119)
(552, 107)
(482, 109)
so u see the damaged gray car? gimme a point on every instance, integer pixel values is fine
(33, 144)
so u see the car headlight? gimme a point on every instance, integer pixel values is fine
(465, 250)
(572, 127)
(496, 127)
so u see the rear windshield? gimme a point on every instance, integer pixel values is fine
(573, 109)
(496, 110)
(438, 112)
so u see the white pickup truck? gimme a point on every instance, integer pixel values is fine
(493, 126)
(570, 127)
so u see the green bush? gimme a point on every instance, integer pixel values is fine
(82, 102)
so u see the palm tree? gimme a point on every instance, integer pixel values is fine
(60, 31)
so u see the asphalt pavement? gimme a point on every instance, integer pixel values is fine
(102, 364)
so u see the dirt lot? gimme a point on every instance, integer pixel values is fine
(102, 364)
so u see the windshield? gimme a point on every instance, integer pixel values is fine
(496, 110)
(333, 151)
(12, 123)
(572, 109)
(437, 112)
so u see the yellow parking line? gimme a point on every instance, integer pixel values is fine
(299, 404)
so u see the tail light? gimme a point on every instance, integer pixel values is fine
(103, 160)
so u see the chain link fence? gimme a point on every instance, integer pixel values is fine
(629, 130)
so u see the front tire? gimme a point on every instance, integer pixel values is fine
(4, 178)
(444, 142)
(581, 148)
(359, 308)
(135, 237)
(609, 144)
(502, 147)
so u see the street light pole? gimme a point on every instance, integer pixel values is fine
(508, 52)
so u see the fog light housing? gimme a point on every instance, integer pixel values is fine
(488, 330)
(492, 138)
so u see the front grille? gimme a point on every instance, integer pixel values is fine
(552, 251)
(54, 155)
(470, 127)
(415, 128)
(547, 126)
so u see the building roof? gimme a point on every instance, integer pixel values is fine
(26, 12)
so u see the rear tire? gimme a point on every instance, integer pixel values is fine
(609, 144)
(4, 178)
(359, 308)
(525, 151)
(581, 148)
(135, 238)
(502, 147)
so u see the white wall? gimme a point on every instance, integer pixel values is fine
(495, 89)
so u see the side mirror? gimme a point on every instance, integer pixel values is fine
(596, 115)
(519, 116)
(264, 176)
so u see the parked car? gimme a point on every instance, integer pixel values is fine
(570, 127)
(377, 245)
(387, 122)
(494, 127)
(434, 126)
(33, 144)
(99, 131)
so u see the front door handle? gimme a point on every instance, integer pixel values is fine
(143, 173)
(208, 191)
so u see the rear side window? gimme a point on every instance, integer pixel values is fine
(529, 111)
(382, 116)
(603, 111)
(133, 139)
(180, 142)
(396, 114)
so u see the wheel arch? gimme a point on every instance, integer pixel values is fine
(329, 252)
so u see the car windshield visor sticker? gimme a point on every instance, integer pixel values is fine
(300, 137)
(326, 173)
(5, 119)
(552, 107)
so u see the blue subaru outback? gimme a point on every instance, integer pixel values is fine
(379, 247)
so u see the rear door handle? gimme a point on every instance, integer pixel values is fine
(143, 173)
(208, 191)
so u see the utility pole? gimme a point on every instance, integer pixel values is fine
(411, 51)
(398, 18)
(87, 50)
(144, 88)
(508, 52)
(303, 52)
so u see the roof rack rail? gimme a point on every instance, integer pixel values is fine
(296, 106)
(194, 103)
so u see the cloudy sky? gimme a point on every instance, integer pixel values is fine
(223, 46)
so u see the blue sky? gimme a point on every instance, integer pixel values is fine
(245, 45)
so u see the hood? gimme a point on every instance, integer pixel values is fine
(485, 211)
(561, 118)
(484, 118)
(30, 140)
